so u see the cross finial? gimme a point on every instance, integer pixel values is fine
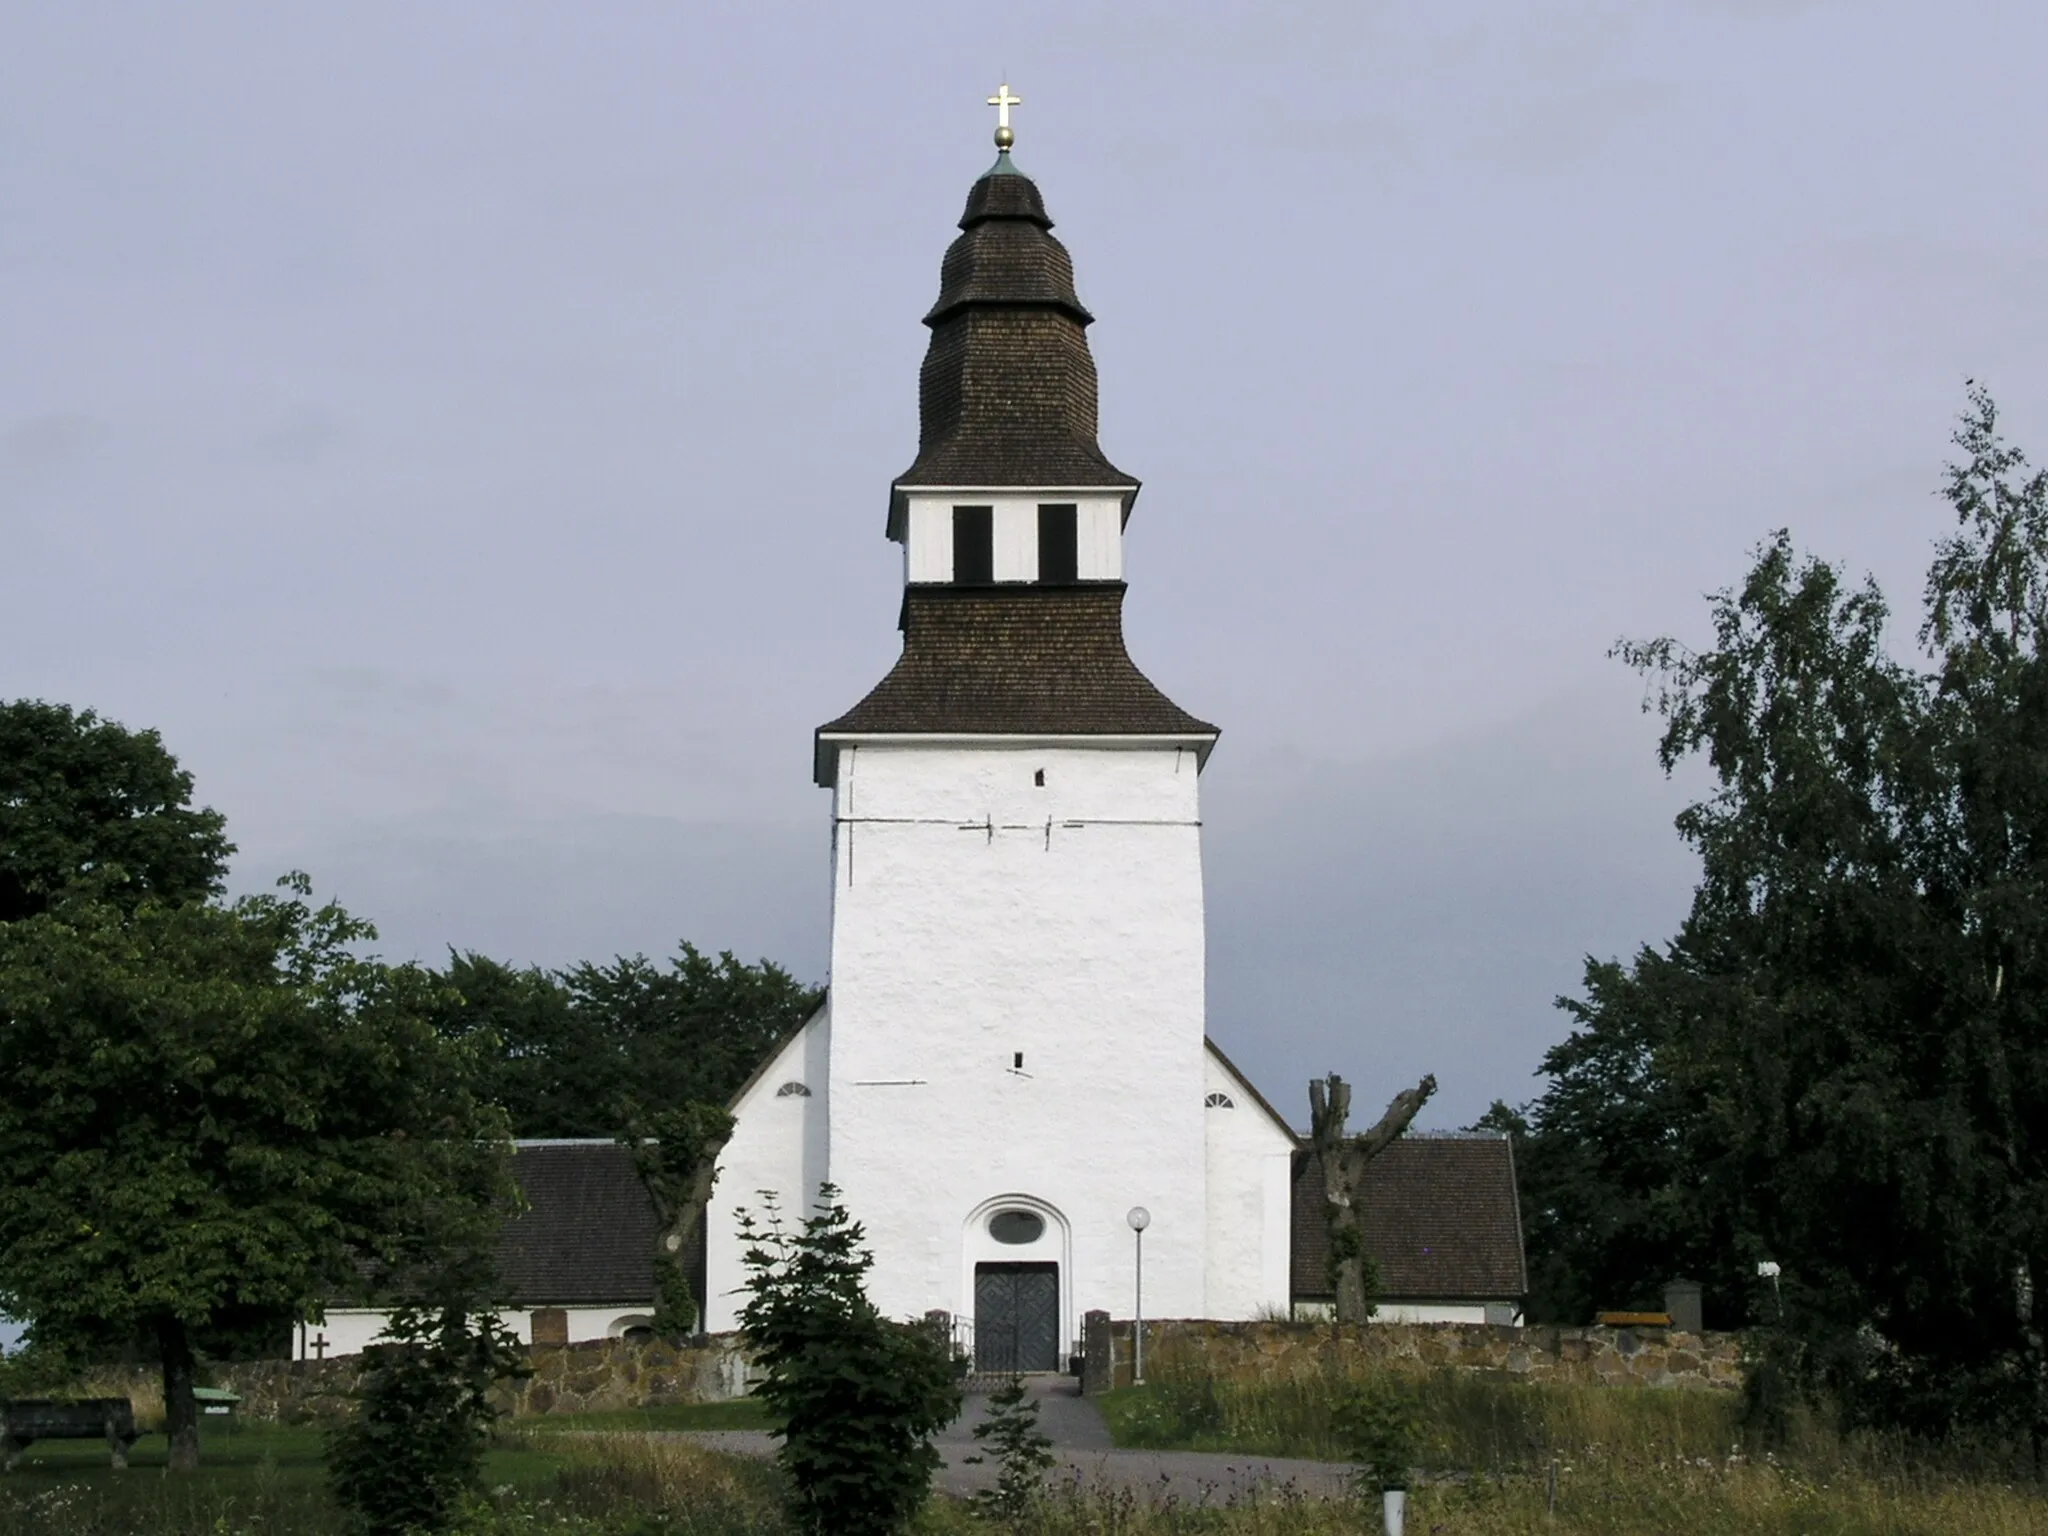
(1002, 101)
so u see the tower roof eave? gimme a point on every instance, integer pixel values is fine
(1015, 661)
(828, 741)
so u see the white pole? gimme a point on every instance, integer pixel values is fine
(1394, 1510)
(1138, 1323)
(1139, 1219)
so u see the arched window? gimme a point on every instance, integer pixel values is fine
(1219, 1101)
(792, 1090)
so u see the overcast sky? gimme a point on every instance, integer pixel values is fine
(465, 431)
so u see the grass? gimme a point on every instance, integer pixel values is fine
(1466, 1422)
(254, 1479)
(1626, 1461)
(740, 1413)
(1498, 1456)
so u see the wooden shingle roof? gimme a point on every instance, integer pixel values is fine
(1007, 392)
(587, 1236)
(1441, 1221)
(1014, 660)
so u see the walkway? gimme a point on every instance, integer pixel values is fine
(1087, 1457)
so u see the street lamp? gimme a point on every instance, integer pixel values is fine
(1140, 1219)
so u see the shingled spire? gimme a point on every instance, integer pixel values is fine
(1012, 520)
(1007, 393)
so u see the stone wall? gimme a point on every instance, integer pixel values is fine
(598, 1376)
(1245, 1352)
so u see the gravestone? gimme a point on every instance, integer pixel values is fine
(1682, 1301)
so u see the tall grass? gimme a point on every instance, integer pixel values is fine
(1472, 1422)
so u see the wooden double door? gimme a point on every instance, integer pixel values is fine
(1016, 1318)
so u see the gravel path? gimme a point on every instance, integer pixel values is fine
(1088, 1458)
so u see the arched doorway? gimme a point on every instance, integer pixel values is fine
(1017, 1251)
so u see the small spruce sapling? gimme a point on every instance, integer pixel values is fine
(1021, 1449)
(1375, 1423)
(855, 1396)
(412, 1452)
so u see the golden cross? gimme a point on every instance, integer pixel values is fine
(1002, 101)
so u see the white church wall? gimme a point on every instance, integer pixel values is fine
(979, 916)
(1016, 540)
(1250, 1160)
(1100, 539)
(928, 534)
(779, 1144)
(351, 1330)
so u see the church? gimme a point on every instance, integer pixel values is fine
(1012, 1056)
(1010, 1080)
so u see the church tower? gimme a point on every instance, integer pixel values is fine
(1013, 1054)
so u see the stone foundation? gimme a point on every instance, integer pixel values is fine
(1270, 1352)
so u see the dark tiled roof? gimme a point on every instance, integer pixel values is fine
(588, 1235)
(1441, 1221)
(1014, 660)
(1007, 392)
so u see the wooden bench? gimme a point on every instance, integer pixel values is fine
(25, 1420)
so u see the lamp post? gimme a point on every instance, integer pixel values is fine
(1140, 1219)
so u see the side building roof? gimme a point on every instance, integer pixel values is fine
(1442, 1221)
(587, 1236)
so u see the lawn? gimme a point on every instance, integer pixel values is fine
(253, 1478)
(740, 1413)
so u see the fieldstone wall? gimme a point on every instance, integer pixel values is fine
(1635, 1357)
(599, 1376)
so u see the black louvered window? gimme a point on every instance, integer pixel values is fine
(1059, 543)
(974, 545)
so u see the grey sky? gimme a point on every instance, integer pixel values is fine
(464, 431)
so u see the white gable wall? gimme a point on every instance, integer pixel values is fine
(780, 1143)
(1250, 1165)
(977, 915)
(351, 1330)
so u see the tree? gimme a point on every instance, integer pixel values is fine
(1022, 1451)
(855, 1396)
(1840, 1063)
(675, 1152)
(567, 1052)
(413, 1450)
(1343, 1161)
(84, 801)
(218, 1115)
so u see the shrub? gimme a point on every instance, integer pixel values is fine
(411, 1453)
(1022, 1450)
(857, 1397)
(1376, 1421)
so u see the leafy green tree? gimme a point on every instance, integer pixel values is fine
(566, 1053)
(84, 801)
(675, 1152)
(412, 1452)
(856, 1397)
(217, 1116)
(1840, 1064)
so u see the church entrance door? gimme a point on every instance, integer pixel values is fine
(1016, 1317)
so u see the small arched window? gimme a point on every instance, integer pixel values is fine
(1219, 1101)
(792, 1090)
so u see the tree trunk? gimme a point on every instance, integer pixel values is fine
(1343, 1161)
(181, 1408)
